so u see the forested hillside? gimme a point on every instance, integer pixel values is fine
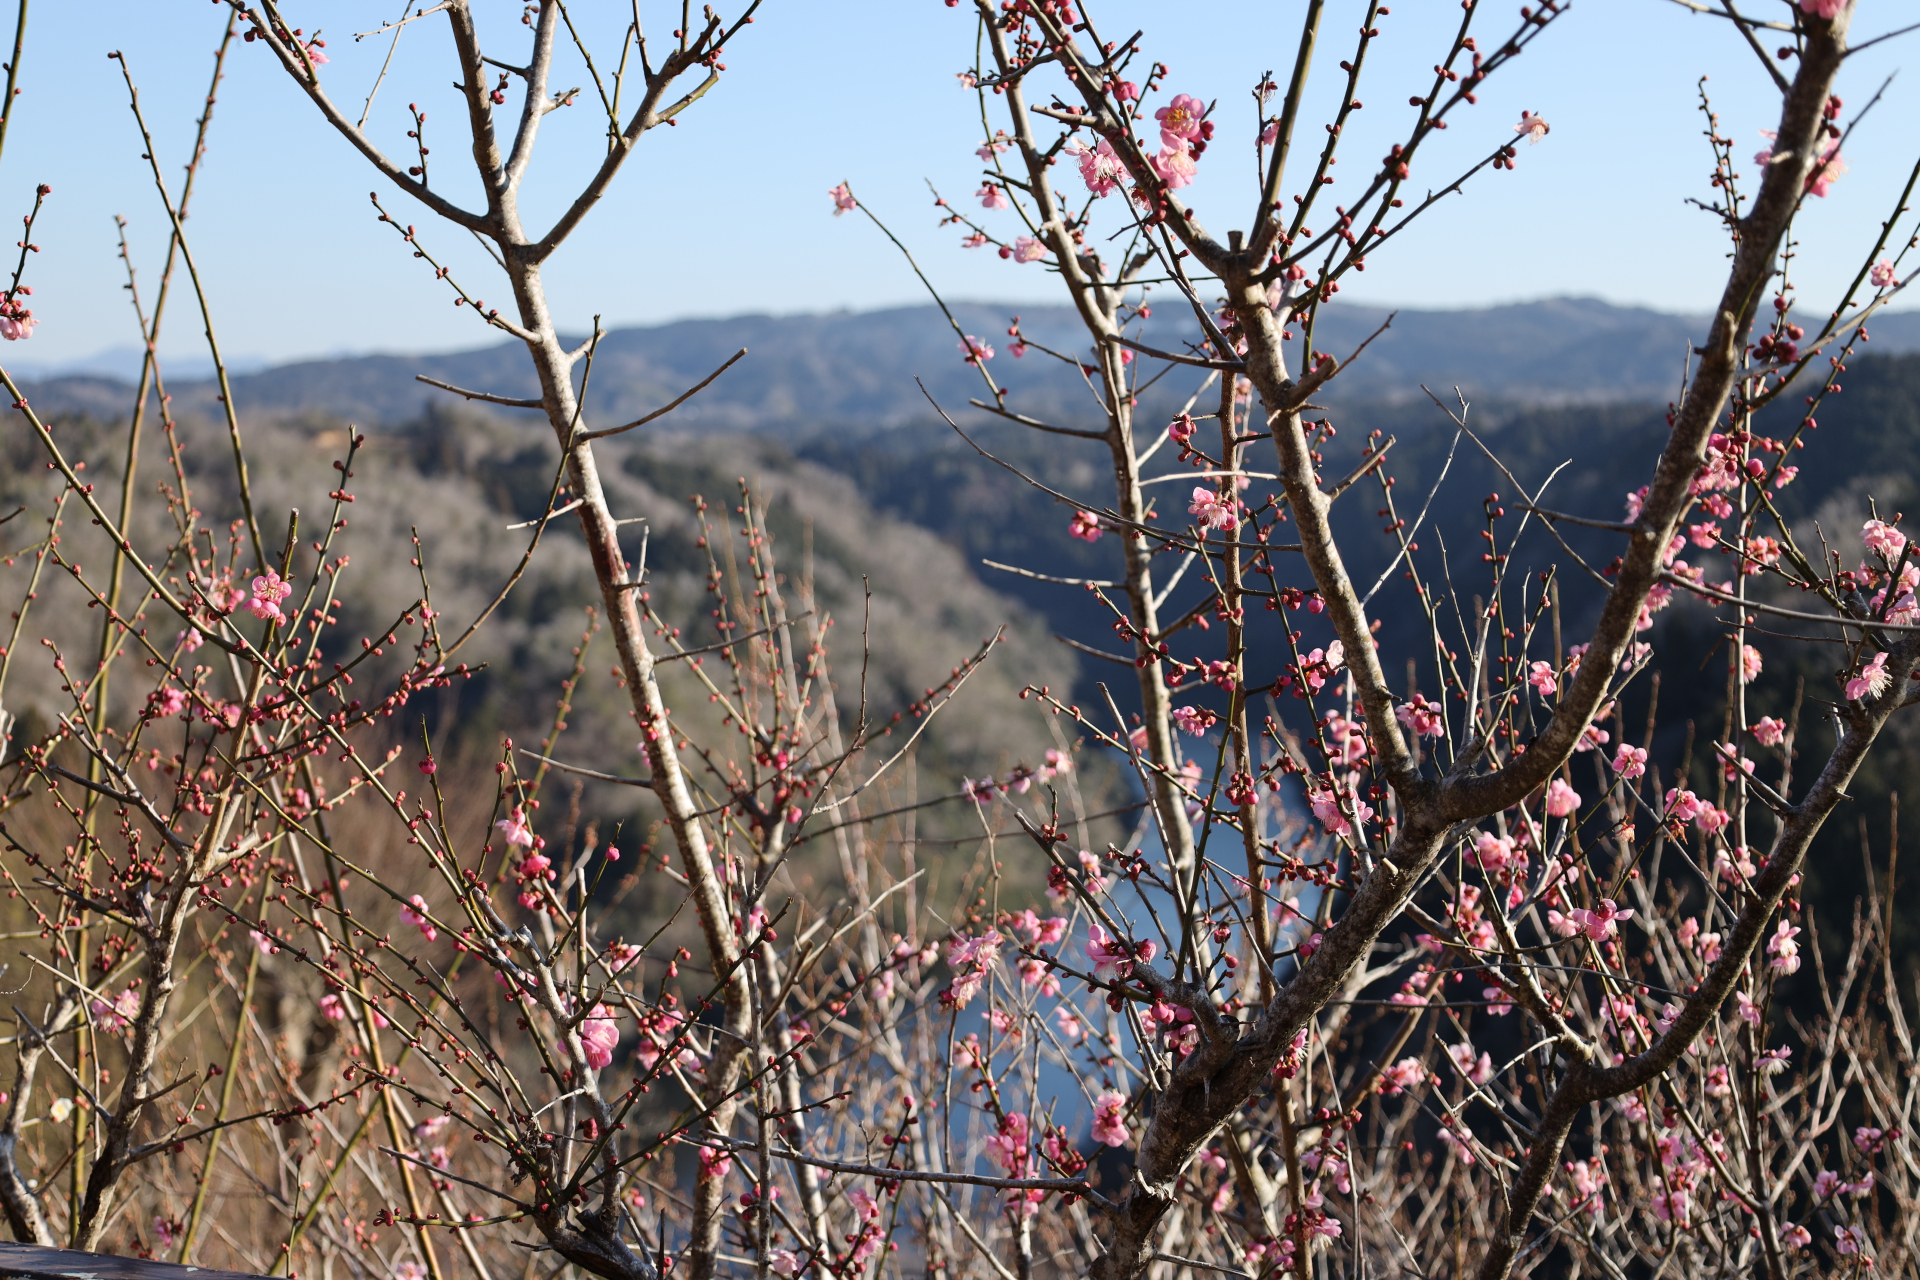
(871, 491)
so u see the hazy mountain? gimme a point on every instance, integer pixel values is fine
(847, 369)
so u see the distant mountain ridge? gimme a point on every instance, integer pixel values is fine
(858, 369)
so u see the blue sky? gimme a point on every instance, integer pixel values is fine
(728, 212)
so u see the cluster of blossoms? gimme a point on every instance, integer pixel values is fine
(1019, 779)
(112, 1015)
(1184, 134)
(16, 320)
(971, 957)
(599, 1034)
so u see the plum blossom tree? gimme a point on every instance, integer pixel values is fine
(1384, 979)
(1395, 812)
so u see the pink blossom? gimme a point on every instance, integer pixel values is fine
(1194, 720)
(1532, 128)
(1181, 429)
(262, 943)
(1405, 1074)
(515, 829)
(1682, 805)
(1629, 761)
(1101, 169)
(1774, 1061)
(865, 1205)
(1782, 950)
(1479, 1069)
(1176, 167)
(1085, 526)
(1848, 1240)
(17, 328)
(1869, 1139)
(1497, 1003)
(1110, 1119)
(1602, 922)
(268, 591)
(1717, 1085)
(1830, 167)
(1748, 1010)
(967, 79)
(1038, 931)
(1871, 681)
(1322, 663)
(1735, 867)
(599, 1033)
(1768, 732)
(1008, 1147)
(1213, 510)
(1326, 807)
(1034, 973)
(123, 1009)
(332, 1007)
(1028, 249)
(1883, 538)
(843, 200)
(1796, 1236)
(1562, 799)
(714, 1164)
(1110, 956)
(1421, 717)
(969, 950)
(415, 912)
(1589, 1178)
(1711, 819)
(1881, 277)
(1541, 677)
(1784, 477)
(976, 351)
(1822, 8)
(1180, 119)
(784, 1262)
(1749, 663)
(1089, 864)
(1492, 852)
(992, 197)
(1671, 1206)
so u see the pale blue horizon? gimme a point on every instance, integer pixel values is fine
(728, 213)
